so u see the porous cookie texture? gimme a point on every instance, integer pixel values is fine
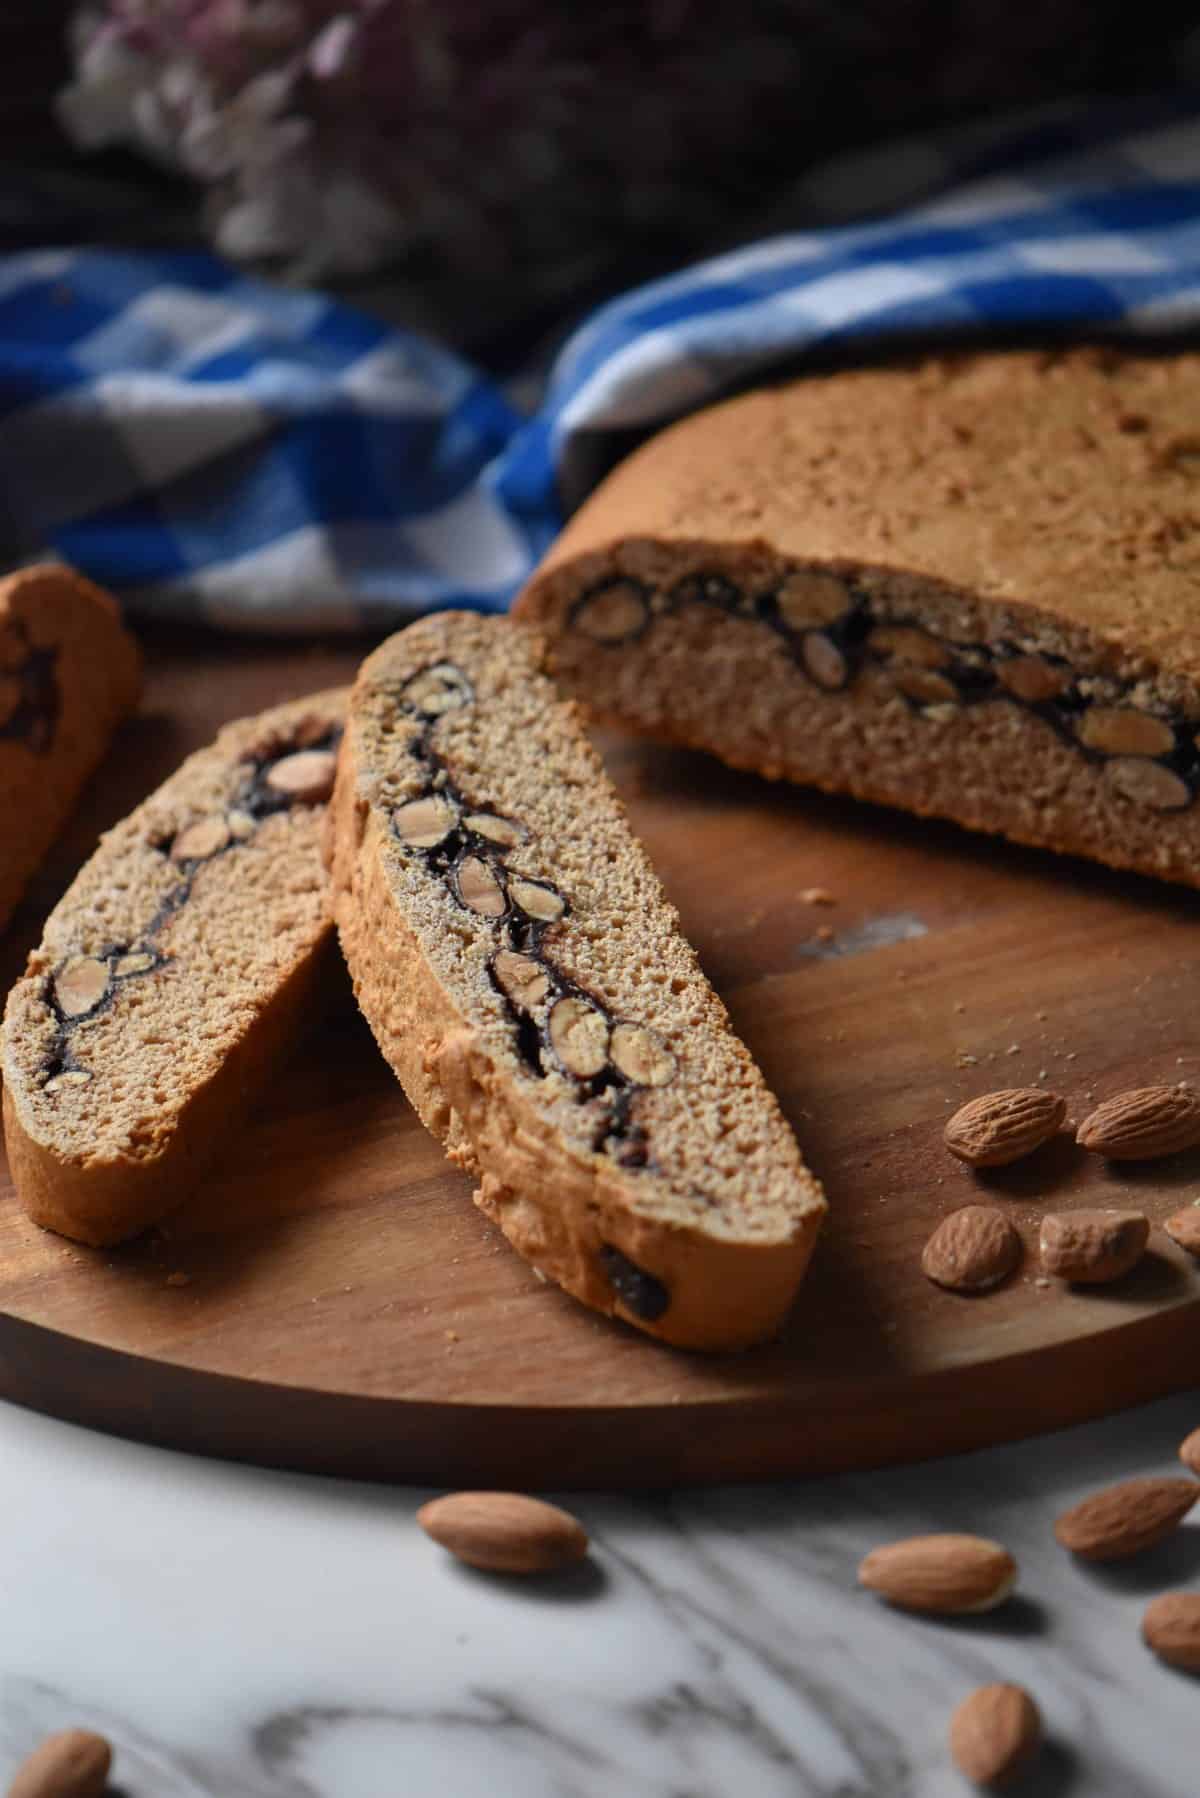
(968, 586)
(177, 968)
(525, 976)
(69, 672)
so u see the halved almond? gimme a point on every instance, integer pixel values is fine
(424, 823)
(480, 887)
(537, 899)
(578, 1035)
(305, 777)
(196, 842)
(80, 985)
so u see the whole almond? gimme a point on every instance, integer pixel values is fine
(941, 1574)
(972, 1250)
(1127, 1518)
(1139, 1125)
(1184, 1228)
(1000, 1127)
(504, 1532)
(1189, 1451)
(74, 1763)
(1090, 1248)
(1171, 1627)
(994, 1733)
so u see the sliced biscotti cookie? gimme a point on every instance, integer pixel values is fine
(968, 587)
(69, 672)
(176, 968)
(525, 977)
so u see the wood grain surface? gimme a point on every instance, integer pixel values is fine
(332, 1300)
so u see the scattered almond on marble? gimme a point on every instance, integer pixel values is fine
(999, 1128)
(972, 1250)
(942, 1574)
(504, 1532)
(1127, 1518)
(1189, 1451)
(1090, 1248)
(1171, 1628)
(994, 1733)
(1184, 1228)
(74, 1763)
(1142, 1124)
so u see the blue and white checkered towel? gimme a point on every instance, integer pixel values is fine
(216, 448)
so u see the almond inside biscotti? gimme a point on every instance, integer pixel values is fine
(894, 687)
(525, 975)
(167, 977)
(964, 587)
(562, 945)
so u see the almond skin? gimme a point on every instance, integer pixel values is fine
(942, 1575)
(994, 1733)
(1001, 1127)
(1127, 1518)
(972, 1250)
(1090, 1248)
(74, 1763)
(1142, 1124)
(1189, 1451)
(1171, 1627)
(504, 1532)
(1184, 1228)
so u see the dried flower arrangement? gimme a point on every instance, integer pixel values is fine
(335, 136)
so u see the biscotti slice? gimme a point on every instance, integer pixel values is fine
(969, 587)
(526, 978)
(174, 971)
(69, 672)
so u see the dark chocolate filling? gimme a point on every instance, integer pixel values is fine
(611, 1092)
(971, 669)
(639, 1291)
(34, 718)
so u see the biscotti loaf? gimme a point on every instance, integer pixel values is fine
(525, 977)
(176, 968)
(69, 672)
(969, 587)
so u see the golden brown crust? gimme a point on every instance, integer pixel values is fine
(1015, 540)
(170, 977)
(720, 1266)
(69, 672)
(1066, 480)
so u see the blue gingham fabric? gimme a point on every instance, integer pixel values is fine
(220, 449)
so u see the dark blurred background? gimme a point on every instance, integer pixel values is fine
(541, 156)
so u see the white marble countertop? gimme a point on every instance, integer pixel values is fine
(246, 1633)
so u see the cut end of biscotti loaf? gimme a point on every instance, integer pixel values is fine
(69, 672)
(175, 970)
(968, 587)
(525, 976)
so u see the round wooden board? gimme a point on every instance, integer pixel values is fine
(332, 1300)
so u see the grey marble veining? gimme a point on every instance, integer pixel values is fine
(257, 1635)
